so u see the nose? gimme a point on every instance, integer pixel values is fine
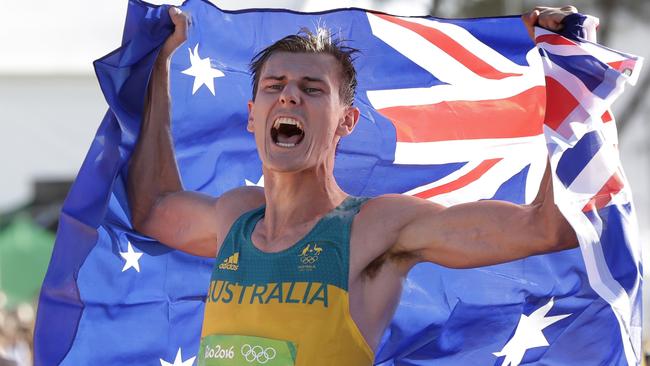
(290, 95)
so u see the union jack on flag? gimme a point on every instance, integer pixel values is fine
(477, 107)
(451, 110)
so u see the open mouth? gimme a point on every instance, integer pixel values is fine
(287, 132)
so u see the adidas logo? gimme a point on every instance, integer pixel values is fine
(231, 263)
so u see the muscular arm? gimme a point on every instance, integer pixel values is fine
(486, 232)
(159, 206)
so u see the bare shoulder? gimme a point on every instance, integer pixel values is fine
(377, 227)
(393, 211)
(234, 203)
(243, 197)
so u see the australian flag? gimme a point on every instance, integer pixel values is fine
(451, 111)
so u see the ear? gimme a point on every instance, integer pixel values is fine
(348, 121)
(249, 124)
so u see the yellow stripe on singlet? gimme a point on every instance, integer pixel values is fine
(314, 316)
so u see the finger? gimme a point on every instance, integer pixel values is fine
(180, 20)
(551, 20)
(178, 17)
(530, 19)
(569, 8)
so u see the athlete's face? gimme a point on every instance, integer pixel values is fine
(297, 116)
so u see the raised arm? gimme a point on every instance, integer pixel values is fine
(159, 206)
(483, 233)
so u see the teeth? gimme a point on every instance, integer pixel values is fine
(285, 144)
(287, 121)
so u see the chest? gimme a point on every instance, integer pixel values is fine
(314, 260)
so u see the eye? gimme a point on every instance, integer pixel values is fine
(274, 87)
(313, 90)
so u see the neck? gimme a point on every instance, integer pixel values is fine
(296, 200)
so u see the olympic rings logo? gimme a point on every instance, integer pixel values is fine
(309, 259)
(257, 353)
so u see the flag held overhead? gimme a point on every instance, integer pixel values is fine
(451, 110)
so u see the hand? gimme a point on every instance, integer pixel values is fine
(545, 17)
(179, 35)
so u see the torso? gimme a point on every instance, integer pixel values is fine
(375, 273)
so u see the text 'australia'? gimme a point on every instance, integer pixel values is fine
(279, 293)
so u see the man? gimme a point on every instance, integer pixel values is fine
(304, 272)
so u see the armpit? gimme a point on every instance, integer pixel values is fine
(400, 258)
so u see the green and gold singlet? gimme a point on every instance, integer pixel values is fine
(284, 308)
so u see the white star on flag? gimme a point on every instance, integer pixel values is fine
(260, 183)
(202, 71)
(131, 257)
(528, 334)
(178, 361)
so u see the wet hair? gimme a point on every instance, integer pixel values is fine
(318, 42)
